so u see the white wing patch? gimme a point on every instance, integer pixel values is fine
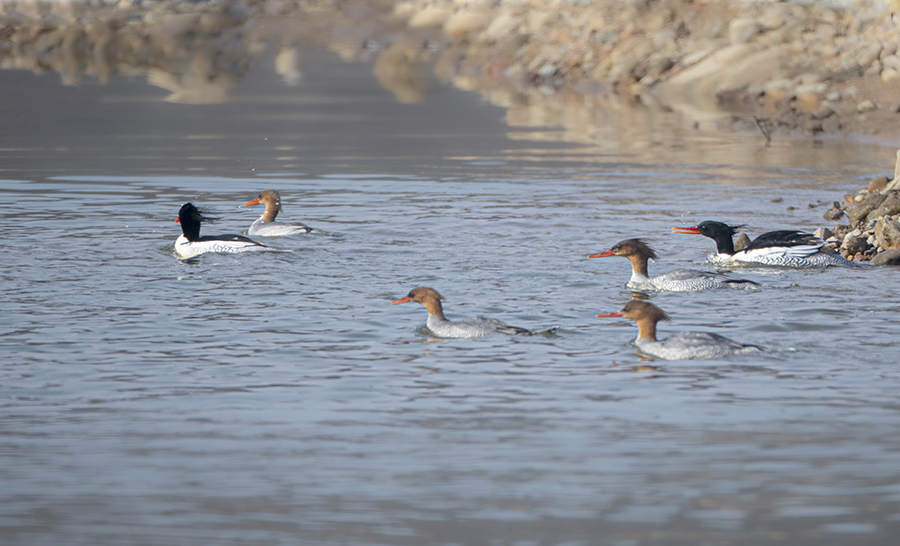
(760, 254)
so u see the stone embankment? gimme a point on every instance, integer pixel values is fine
(796, 66)
(873, 231)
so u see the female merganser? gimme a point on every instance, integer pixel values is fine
(787, 247)
(639, 253)
(190, 243)
(680, 346)
(470, 327)
(265, 225)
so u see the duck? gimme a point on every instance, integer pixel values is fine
(680, 280)
(466, 328)
(680, 346)
(265, 225)
(785, 248)
(190, 243)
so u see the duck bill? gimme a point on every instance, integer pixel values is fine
(610, 315)
(178, 220)
(250, 203)
(606, 254)
(689, 230)
(401, 300)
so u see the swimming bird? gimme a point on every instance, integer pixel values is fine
(265, 225)
(190, 243)
(786, 248)
(639, 253)
(470, 327)
(680, 346)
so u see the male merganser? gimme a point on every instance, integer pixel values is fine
(680, 346)
(190, 243)
(639, 253)
(265, 225)
(470, 327)
(787, 247)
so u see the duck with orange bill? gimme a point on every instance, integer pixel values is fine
(470, 327)
(639, 254)
(266, 225)
(786, 247)
(190, 243)
(680, 346)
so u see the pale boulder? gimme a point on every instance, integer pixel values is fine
(730, 68)
(429, 17)
(741, 31)
(463, 23)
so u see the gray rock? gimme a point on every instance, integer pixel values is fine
(888, 257)
(891, 61)
(888, 207)
(865, 106)
(841, 231)
(868, 55)
(824, 233)
(742, 241)
(833, 214)
(858, 212)
(815, 88)
(887, 233)
(878, 183)
(824, 111)
(547, 70)
(740, 31)
(854, 245)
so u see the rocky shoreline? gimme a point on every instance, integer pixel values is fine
(873, 231)
(797, 67)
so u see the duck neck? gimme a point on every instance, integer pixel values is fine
(191, 230)
(272, 210)
(646, 328)
(638, 265)
(435, 310)
(725, 244)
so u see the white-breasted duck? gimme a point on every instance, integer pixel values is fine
(190, 243)
(470, 327)
(639, 253)
(786, 247)
(680, 346)
(265, 225)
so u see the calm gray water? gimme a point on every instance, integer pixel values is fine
(278, 398)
